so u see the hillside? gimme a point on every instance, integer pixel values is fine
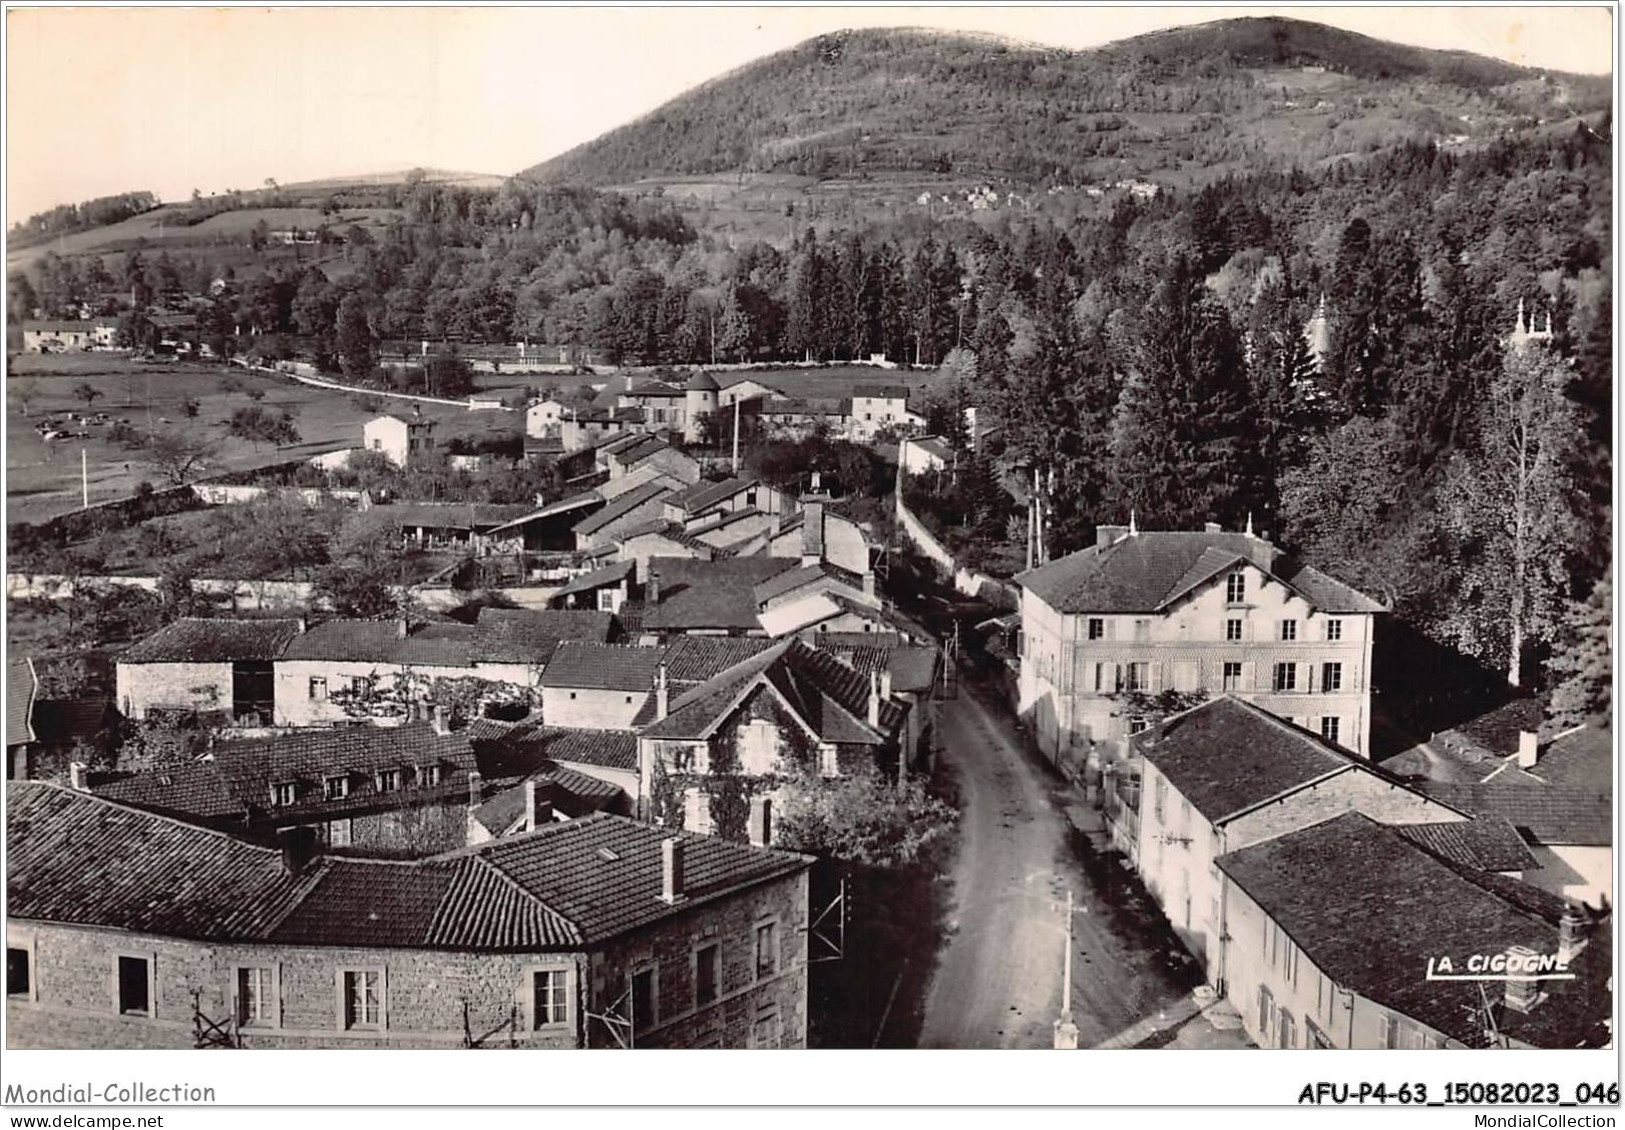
(1173, 106)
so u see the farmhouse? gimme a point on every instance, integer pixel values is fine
(598, 932)
(215, 668)
(60, 337)
(400, 439)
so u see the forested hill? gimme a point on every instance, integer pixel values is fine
(1183, 104)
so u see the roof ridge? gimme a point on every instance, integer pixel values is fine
(483, 861)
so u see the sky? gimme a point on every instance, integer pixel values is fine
(105, 100)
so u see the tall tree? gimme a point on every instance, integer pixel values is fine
(1510, 498)
(358, 350)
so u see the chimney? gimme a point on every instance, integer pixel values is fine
(298, 846)
(629, 381)
(1572, 934)
(474, 788)
(874, 700)
(662, 698)
(76, 776)
(869, 583)
(651, 587)
(442, 719)
(303, 626)
(538, 805)
(885, 682)
(812, 529)
(1522, 994)
(1105, 535)
(671, 871)
(401, 628)
(1212, 528)
(1528, 749)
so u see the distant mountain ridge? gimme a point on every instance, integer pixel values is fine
(1191, 100)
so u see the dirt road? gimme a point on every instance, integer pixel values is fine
(998, 981)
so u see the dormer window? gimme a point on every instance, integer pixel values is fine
(337, 787)
(389, 780)
(429, 775)
(1235, 588)
(284, 793)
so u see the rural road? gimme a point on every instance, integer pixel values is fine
(998, 979)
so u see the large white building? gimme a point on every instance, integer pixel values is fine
(1210, 612)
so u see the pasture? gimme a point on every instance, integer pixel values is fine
(42, 478)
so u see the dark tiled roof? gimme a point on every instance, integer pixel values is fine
(1143, 572)
(571, 793)
(621, 506)
(452, 515)
(1543, 814)
(60, 721)
(887, 392)
(694, 659)
(1227, 755)
(79, 859)
(74, 858)
(1487, 843)
(525, 635)
(802, 575)
(516, 749)
(380, 641)
(707, 493)
(1579, 758)
(702, 381)
(236, 781)
(672, 532)
(830, 697)
(1369, 909)
(711, 523)
(21, 687)
(614, 667)
(709, 594)
(198, 640)
(644, 447)
(598, 578)
(562, 506)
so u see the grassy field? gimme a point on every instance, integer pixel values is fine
(42, 479)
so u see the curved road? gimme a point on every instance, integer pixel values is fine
(998, 979)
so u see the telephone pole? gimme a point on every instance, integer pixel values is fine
(84, 479)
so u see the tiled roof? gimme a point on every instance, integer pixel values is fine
(525, 747)
(1370, 909)
(886, 392)
(380, 641)
(592, 666)
(830, 697)
(644, 447)
(621, 506)
(78, 859)
(532, 635)
(672, 532)
(59, 721)
(804, 406)
(1543, 814)
(702, 381)
(913, 669)
(1579, 758)
(695, 659)
(707, 493)
(552, 509)
(1487, 843)
(1141, 573)
(709, 594)
(802, 575)
(199, 640)
(1227, 755)
(720, 520)
(598, 578)
(236, 781)
(651, 386)
(571, 793)
(21, 687)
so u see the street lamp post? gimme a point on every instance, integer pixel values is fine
(1066, 1032)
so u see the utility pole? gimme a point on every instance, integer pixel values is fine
(736, 435)
(1066, 1032)
(84, 479)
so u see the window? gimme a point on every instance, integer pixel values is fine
(389, 780)
(1289, 630)
(1317, 1038)
(1390, 1031)
(1329, 727)
(363, 991)
(1286, 677)
(256, 996)
(284, 793)
(1334, 631)
(1331, 678)
(1159, 794)
(1235, 588)
(645, 1008)
(1142, 630)
(1097, 628)
(428, 775)
(572, 696)
(549, 997)
(764, 1031)
(606, 600)
(134, 985)
(338, 833)
(19, 982)
(1139, 676)
(1232, 631)
(358, 684)
(1289, 1035)
(767, 949)
(318, 688)
(336, 788)
(377, 444)
(1232, 676)
(1137, 725)
(707, 974)
(1266, 1009)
